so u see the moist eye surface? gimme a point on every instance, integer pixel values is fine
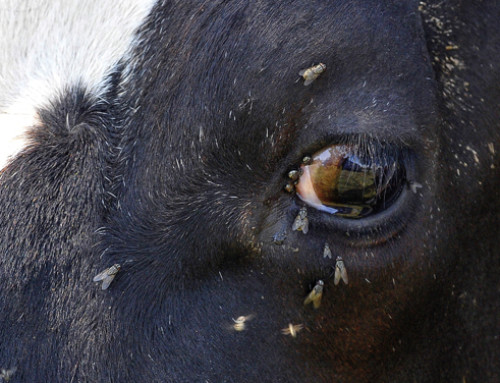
(349, 182)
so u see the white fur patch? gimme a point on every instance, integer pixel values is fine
(49, 45)
(12, 138)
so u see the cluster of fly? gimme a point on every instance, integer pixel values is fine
(316, 293)
(301, 223)
(294, 176)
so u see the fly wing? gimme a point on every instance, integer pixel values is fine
(107, 281)
(309, 81)
(317, 301)
(309, 298)
(338, 275)
(314, 296)
(343, 274)
(285, 331)
(327, 253)
(101, 276)
(302, 72)
(298, 223)
(305, 225)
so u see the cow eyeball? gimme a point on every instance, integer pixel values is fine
(349, 182)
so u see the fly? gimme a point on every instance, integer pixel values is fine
(301, 222)
(327, 253)
(240, 322)
(107, 275)
(340, 272)
(292, 329)
(6, 374)
(310, 74)
(315, 295)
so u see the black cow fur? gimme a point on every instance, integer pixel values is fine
(178, 174)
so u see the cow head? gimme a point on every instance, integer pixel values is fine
(231, 195)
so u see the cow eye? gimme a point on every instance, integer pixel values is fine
(352, 183)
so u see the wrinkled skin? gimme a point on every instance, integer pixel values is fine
(178, 176)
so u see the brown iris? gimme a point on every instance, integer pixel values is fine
(343, 181)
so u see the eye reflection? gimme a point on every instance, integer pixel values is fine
(344, 181)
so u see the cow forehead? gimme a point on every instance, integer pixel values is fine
(232, 59)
